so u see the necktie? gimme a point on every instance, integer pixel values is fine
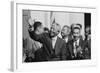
(75, 49)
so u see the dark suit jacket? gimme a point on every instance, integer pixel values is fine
(46, 53)
(70, 46)
(87, 49)
(59, 52)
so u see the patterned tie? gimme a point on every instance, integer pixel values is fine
(75, 49)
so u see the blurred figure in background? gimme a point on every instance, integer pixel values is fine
(87, 48)
(30, 46)
(65, 33)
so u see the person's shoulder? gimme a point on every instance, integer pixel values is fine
(70, 42)
(81, 39)
(61, 40)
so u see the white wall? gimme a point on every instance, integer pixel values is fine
(63, 18)
(77, 18)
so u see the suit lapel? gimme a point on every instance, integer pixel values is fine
(72, 46)
(56, 45)
(80, 42)
(50, 45)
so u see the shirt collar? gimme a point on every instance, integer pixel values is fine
(66, 39)
(54, 38)
(77, 41)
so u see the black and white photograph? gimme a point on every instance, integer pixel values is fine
(55, 36)
(52, 36)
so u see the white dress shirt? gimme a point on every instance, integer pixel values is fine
(66, 39)
(76, 42)
(54, 39)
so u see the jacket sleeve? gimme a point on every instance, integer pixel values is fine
(36, 37)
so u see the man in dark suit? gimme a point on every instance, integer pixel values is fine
(65, 33)
(58, 45)
(76, 45)
(44, 53)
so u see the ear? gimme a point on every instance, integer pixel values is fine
(58, 32)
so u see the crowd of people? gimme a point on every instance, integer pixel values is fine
(45, 45)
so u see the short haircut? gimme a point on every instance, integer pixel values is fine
(76, 28)
(46, 29)
(79, 25)
(36, 25)
(76, 25)
(66, 26)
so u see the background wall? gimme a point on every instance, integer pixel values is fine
(5, 38)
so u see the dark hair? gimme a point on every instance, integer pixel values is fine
(46, 29)
(66, 26)
(76, 28)
(36, 25)
(79, 25)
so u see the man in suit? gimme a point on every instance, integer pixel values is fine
(44, 53)
(58, 44)
(76, 46)
(65, 33)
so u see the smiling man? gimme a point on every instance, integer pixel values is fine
(58, 44)
(76, 45)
